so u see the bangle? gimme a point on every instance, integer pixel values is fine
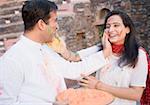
(76, 56)
(96, 85)
(75, 53)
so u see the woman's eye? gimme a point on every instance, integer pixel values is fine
(107, 26)
(116, 25)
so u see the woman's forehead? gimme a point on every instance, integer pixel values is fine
(114, 19)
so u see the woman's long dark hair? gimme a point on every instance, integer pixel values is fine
(130, 54)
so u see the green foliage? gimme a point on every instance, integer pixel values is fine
(101, 30)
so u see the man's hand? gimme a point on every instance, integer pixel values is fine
(107, 49)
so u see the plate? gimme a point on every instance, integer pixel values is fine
(84, 96)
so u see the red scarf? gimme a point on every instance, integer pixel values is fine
(117, 49)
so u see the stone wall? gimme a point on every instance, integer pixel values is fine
(141, 16)
(78, 30)
(86, 22)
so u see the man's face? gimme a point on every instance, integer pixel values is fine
(51, 27)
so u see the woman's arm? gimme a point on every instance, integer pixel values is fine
(70, 56)
(59, 46)
(131, 93)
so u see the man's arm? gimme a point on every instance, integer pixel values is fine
(73, 70)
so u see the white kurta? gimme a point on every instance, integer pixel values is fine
(33, 74)
(124, 77)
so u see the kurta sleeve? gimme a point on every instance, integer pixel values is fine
(73, 70)
(139, 74)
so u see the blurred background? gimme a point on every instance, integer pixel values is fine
(80, 21)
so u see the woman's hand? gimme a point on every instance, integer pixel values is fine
(58, 45)
(89, 81)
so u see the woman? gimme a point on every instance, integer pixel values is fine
(126, 72)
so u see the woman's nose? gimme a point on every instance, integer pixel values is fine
(111, 29)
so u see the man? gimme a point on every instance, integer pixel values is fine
(33, 74)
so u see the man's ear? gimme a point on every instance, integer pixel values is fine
(41, 24)
(127, 30)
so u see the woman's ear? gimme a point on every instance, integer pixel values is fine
(127, 30)
(41, 24)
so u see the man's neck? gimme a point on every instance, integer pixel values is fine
(34, 36)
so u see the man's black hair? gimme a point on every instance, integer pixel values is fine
(34, 10)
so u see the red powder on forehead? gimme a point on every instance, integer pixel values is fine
(115, 19)
(1, 90)
(110, 18)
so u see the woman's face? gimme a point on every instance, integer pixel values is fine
(116, 30)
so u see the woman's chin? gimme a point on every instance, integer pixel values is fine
(113, 41)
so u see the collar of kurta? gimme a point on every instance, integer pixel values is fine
(31, 42)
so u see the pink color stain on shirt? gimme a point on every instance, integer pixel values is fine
(0, 90)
